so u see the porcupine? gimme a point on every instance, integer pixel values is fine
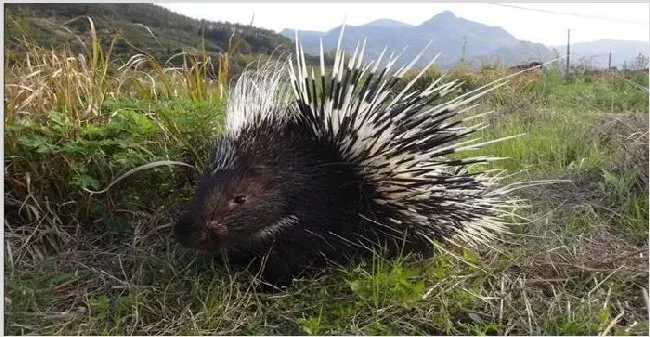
(325, 169)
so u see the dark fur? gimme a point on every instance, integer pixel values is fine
(285, 172)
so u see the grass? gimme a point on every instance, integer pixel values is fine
(80, 263)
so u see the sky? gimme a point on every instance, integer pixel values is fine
(534, 26)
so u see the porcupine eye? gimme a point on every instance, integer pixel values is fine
(240, 199)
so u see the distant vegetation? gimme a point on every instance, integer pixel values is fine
(81, 109)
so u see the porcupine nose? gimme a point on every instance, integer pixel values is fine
(218, 228)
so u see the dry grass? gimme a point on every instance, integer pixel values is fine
(630, 132)
(64, 81)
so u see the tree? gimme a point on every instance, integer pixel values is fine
(640, 62)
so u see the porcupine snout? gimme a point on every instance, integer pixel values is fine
(194, 232)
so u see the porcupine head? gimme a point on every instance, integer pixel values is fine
(303, 176)
(273, 193)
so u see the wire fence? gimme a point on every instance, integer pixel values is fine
(598, 17)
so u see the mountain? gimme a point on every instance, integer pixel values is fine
(452, 36)
(387, 23)
(597, 52)
(164, 33)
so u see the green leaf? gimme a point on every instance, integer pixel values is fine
(85, 181)
(38, 144)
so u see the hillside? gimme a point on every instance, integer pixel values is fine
(148, 27)
(452, 36)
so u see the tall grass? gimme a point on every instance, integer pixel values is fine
(76, 121)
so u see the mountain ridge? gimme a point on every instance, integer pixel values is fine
(457, 39)
(454, 37)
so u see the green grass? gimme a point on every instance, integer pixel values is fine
(550, 141)
(82, 263)
(610, 93)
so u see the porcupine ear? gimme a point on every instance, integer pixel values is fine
(404, 141)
